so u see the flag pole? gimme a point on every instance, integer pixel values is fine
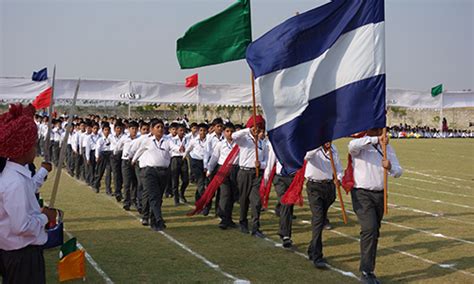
(441, 115)
(62, 153)
(338, 186)
(385, 174)
(47, 143)
(254, 106)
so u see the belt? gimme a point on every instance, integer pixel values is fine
(369, 190)
(247, 169)
(160, 168)
(322, 181)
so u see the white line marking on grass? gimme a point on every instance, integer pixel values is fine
(92, 261)
(437, 178)
(441, 265)
(170, 238)
(436, 235)
(440, 177)
(436, 215)
(432, 190)
(433, 200)
(340, 271)
(186, 248)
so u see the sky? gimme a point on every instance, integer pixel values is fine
(427, 41)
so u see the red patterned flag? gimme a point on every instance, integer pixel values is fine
(192, 81)
(43, 99)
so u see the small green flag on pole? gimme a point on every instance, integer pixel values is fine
(436, 90)
(218, 39)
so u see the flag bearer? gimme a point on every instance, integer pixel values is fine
(367, 194)
(248, 181)
(321, 192)
(229, 186)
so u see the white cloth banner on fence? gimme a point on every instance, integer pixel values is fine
(137, 92)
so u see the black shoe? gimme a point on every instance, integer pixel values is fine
(223, 226)
(167, 195)
(118, 198)
(320, 263)
(109, 193)
(182, 199)
(369, 278)
(232, 225)
(145, 222)
(244, 229)
(96, 190)
(158, 228)
(293, 217)
(277, 213)
(259, 234)
(126, 208)
(287, 242)
(205, 212)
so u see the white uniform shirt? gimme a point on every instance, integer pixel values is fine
(179, 142)
(245, 140)
(220, 153)
(114, 140)
(367, 163)
(91, 144)
(155, 153)
(136, 145)
(196, 149)
(21, 221)
(124, 146)
(212, 140)
(103, 144)
(319, 166)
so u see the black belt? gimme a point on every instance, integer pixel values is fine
(160, 168)
(322, 181)
(247, 169)
(369, 190)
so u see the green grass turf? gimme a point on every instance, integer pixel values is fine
(435, 170)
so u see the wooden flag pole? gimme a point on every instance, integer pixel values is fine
(255, 120)
(338, 186)
(47, 143)
(62, 153)
(385, 175)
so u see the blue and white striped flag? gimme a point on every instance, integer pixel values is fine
(321, 76)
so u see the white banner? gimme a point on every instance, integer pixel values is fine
(23, 89)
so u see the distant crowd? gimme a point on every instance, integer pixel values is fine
(408, 131)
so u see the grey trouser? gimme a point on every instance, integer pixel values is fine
(368, 206)
(249, 185)
(320, 197)
(281, 184)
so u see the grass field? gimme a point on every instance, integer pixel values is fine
(428, 235)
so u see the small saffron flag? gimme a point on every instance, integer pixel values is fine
(40, 75)
(43, 99)
(192, 81)
(436, 90)
(72, 266)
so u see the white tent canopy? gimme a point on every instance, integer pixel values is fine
(137, 92)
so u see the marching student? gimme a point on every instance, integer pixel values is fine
(22, 222)
(69, 152)
(116, 159)
(281, 183)
(214, 137)
(173, 131)
(128, 171)
(77, 150)
(90, 144)
(156, 153)
(179, 167)
(139, 166)
(103, 156)
(229, 185)
(56, 134)
(192, 135)
(43, 130)
(196, 150)
(248, 181)
(321, 192)
(367, 194)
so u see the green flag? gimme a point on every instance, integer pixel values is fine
(436, 90)
(68, 247)
(218, 39)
